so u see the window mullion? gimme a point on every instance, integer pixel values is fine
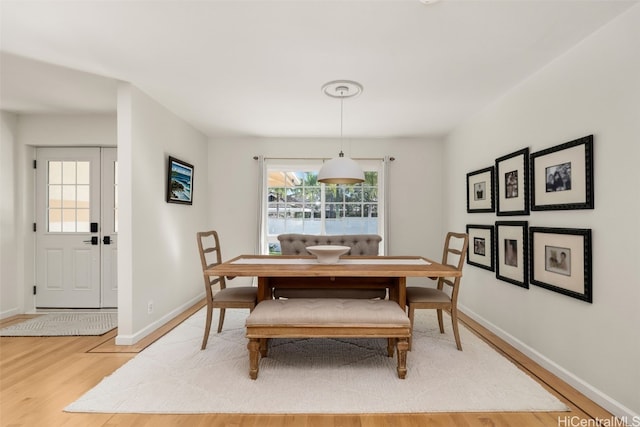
(323, 209)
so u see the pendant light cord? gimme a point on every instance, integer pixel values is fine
(341, 120)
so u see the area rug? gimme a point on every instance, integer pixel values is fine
(63, 324)
(315, 376)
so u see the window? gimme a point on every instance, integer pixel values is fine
(68, 196)
(295, 202)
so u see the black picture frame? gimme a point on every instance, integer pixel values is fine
(512, 252)
(560, 260)
(179, 182)
(512, 183)
(481, 248)
(480, 190)
(562, 176)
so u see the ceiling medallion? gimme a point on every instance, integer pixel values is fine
(342, 89)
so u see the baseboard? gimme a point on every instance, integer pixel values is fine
(596, 395)
(9, 313)
(134, 338)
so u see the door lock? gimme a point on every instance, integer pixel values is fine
(93, 241)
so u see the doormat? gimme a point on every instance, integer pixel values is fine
(63, 324)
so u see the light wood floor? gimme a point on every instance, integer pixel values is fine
(41, 376)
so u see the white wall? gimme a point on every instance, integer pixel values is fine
(592, 89)
(415, 188)
(68, 130)
(158, 259)
(10, 301)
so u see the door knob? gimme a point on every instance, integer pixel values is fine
(93, 241)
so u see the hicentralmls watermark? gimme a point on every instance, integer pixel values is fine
(575, 421)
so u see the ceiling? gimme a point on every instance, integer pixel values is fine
(256, 68)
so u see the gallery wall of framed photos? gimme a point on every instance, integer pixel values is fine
(554, 258)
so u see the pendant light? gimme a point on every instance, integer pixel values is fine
(341, 169)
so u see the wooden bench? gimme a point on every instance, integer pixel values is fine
(327, 318)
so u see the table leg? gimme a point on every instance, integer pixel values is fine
(402, 292)
(264, 291)
(398, 291)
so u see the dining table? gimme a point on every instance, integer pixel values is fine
(294, 271)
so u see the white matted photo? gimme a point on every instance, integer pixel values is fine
(480, 191)
(512, 183)
(562, 176)
(561, 260)
(512, 252)
(480, 252)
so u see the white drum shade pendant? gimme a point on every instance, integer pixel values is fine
(341, 169)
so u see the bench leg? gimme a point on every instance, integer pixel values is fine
(403, 346)
(391, 344)
(254, 357)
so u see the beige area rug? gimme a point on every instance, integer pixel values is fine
(63, 324)
(315, 376)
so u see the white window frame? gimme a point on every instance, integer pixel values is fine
(271, 164)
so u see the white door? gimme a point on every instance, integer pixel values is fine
(72, 268)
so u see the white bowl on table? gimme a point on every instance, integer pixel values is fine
(328, 254)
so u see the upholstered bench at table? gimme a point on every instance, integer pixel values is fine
(360, 244)
(327, 318)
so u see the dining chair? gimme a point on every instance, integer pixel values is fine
(439, 298)
(225, 297)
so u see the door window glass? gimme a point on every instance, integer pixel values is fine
(68, 208)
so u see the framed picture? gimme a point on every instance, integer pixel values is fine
(480, 186)
(179, 182)
(480, 251)
(512, 189)
(512, 252)
(562, 176)
(561, 260)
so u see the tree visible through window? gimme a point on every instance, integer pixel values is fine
(298, 203)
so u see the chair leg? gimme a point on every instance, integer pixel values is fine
(440, 321)
(391, 346)
(411, 313)
(207, 327)
(454, 321)
(221, 320)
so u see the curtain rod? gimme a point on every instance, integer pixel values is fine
(320, 158)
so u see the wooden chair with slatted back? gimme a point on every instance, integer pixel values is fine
(420, 297)
(231, 297)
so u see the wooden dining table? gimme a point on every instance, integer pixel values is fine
(290, 271)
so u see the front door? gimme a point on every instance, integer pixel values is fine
(69, 232)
